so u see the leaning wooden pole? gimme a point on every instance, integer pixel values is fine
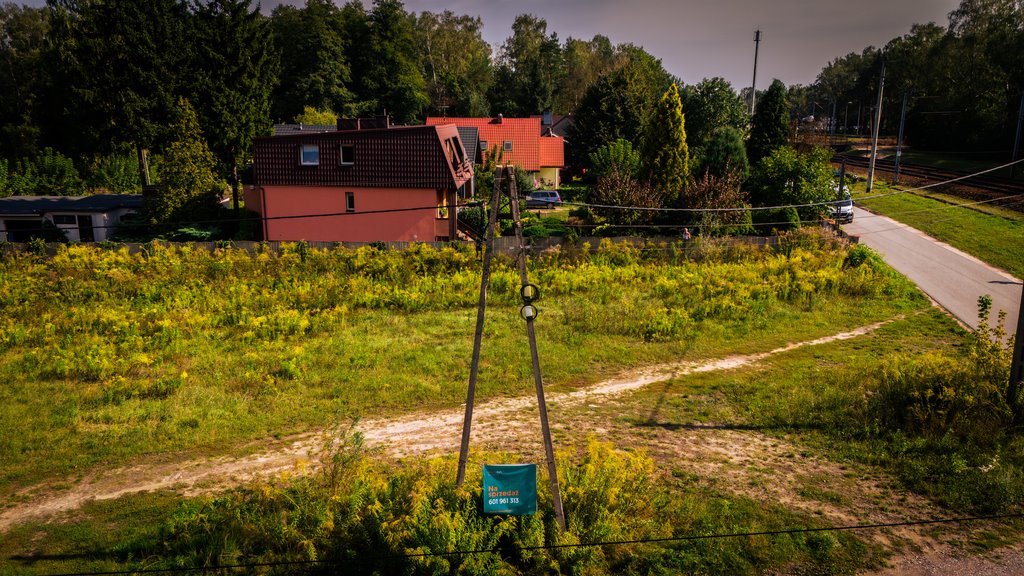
(549, 449)
(474, 368)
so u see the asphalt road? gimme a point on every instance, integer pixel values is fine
(950, 277)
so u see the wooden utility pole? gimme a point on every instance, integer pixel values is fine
(505, 184)
(474, 367)
(1017, 367)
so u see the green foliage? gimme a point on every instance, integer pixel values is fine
(771, 222)
(947, 417)
(618, 157)
(117, 173)
(237, 67)
(529, 69)
(544, 227)
(722, 203)
(724, 152)
(710, 106)
(315, 67)
(188, 187)
(23, 83)
(618, 104)
(385, 65)
(259, 334)
(377, 519)
(585, 61)
(787, 177)
(311, 115)
(121, 65)
(620, 188)
(666, 156)
(769, 129)
(48, 174)
(456, 63)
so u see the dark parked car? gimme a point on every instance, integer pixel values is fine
(543, 199)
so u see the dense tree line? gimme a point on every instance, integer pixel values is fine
(963, 82)
(96, 79)
(93, 92)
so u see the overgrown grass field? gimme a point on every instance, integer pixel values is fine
(107, 356)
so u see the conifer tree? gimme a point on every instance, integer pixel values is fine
(188, 185)
(667, 156)
(770, 127)
(237, 69)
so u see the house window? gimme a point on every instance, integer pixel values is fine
(350, 202)
(64, 220)
(348, 154)
(310, 155)
(508, 145)
(442, 204)
(454, 151)
(483, 145)
(457, 145)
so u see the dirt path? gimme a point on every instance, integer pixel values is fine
(740, 461)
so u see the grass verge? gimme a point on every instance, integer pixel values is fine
(995, 238)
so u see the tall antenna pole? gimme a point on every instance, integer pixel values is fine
(877, 125)
(1016, 139)
(899, 139)
(753, 85)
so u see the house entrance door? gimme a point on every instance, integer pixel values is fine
(85, 233)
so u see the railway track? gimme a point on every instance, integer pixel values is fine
(982, 187)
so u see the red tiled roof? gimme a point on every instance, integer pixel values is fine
(397, 157)
(524, 133)
(552, 151)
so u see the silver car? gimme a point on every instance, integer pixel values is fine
(543, 199)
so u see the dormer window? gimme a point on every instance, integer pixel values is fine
(309, 155)
(348, 155)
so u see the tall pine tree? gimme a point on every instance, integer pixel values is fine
(667, 156)
(121, 64)
(385, 62)
(237, 69)
(315, 70)
(770, 126)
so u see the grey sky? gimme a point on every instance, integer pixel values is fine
(701, 39)
(706, 38)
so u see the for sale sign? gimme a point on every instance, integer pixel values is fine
(510, 489)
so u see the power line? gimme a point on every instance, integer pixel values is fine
(687, 538)
(579, 204)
